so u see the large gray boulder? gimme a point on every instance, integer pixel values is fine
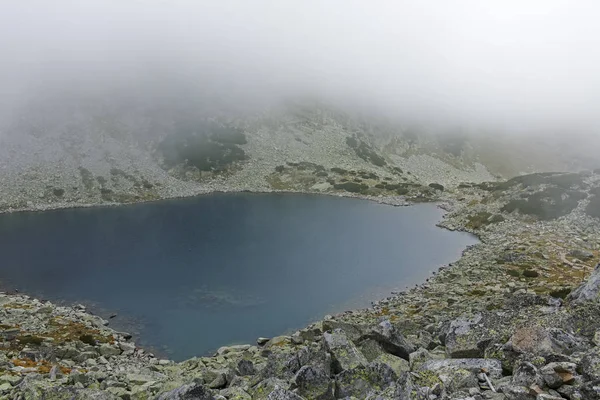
(588, 291)
(344, 353)
(466, 338)
(544, 342)
(390, 339)
(192, 391)
(557, 374)
(590, 364)
(362, 381)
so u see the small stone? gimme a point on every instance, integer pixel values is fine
(297, 339)
(261, 341)
(278, 341)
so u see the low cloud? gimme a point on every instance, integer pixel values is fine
(523, 66)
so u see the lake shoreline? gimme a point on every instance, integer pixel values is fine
(521, 281)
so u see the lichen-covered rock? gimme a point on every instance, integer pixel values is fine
(371, 349)
(591, 390)
(192, 391)
(344, 353)
(361, 381)
(519, 393)
(390, 339)
(265, 387)
(475, 365)
(557, 374)
(526, 374)
(590, 364)
(418, 357)
(353, 331)
(397, 364)
(543, 342)
(283, 394)
(464, 339)
(313, 383)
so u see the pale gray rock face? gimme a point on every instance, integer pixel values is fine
(390, 339)
(590, 290)
(462, 339)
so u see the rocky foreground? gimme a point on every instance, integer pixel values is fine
(517, 317)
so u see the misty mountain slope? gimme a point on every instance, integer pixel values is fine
(95, 152)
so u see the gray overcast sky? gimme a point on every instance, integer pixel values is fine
(518, 62)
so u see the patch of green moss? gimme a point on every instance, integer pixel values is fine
(478, 220)
(561, 293)
(30, 340)
(529, 273)
(207, 147)
(87, 178)
(58, 192)
(437, 186)
(339, 171)
(88, 339)
(351, 187)
(547, 204)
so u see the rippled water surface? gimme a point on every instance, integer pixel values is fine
(190, 275)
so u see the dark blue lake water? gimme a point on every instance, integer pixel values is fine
(190, 275)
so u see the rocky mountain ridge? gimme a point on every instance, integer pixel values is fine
(84, 154)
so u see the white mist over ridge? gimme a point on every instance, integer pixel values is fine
(507, 65)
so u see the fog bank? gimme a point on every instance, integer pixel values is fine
(527, 66)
